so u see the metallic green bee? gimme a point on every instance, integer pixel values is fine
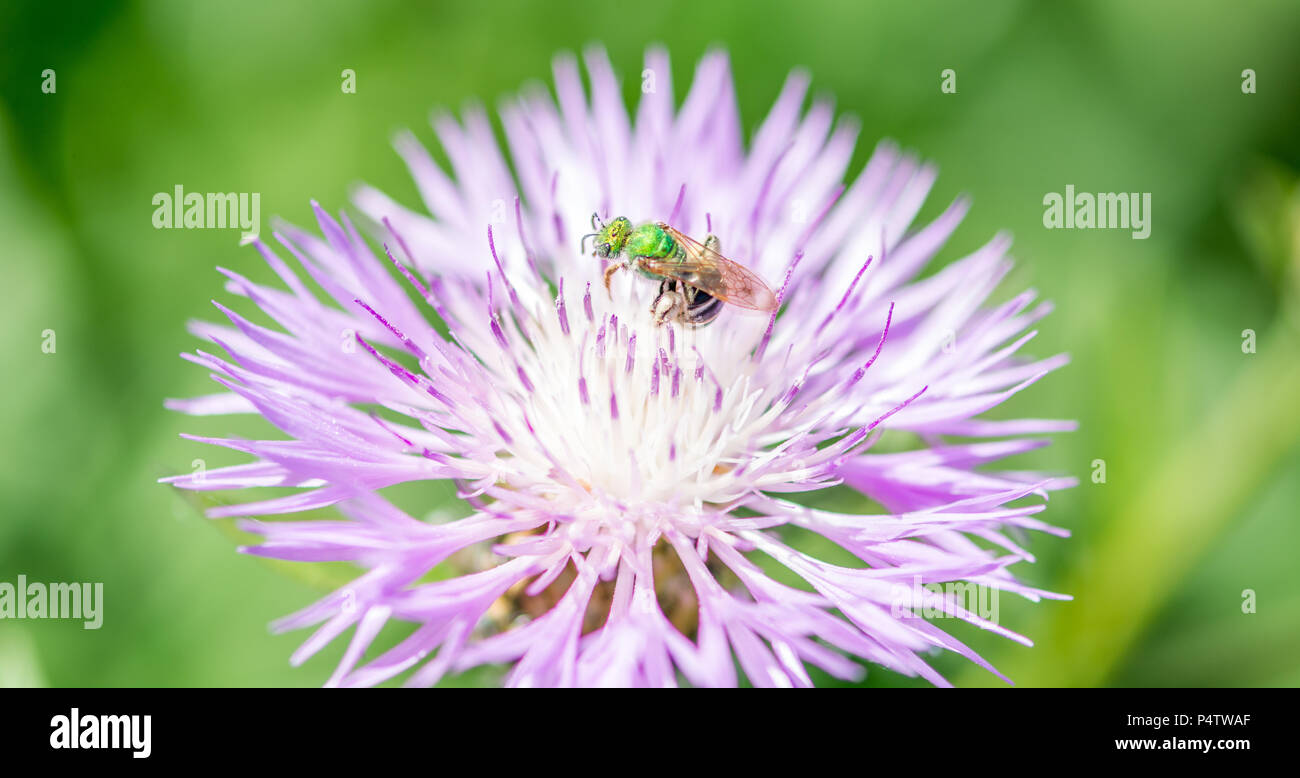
(694, 278)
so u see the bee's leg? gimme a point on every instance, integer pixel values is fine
(609, 275)
(701, 308)
(667, 306)
(712, 243)
(670, 304)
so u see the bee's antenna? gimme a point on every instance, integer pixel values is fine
(594, 218)
(582, 244)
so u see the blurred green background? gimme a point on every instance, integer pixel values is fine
(1199, 439)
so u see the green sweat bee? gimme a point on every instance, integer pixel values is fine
(694, 278)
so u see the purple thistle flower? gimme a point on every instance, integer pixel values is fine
(627, 485)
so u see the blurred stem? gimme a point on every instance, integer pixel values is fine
(1156, 537)
(325, 576)
(20, 666)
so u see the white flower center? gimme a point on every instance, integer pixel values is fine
(658, 415)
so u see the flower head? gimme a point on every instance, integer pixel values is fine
(631, 485)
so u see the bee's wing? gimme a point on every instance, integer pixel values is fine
(709, 271)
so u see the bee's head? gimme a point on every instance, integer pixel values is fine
(609, 238)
